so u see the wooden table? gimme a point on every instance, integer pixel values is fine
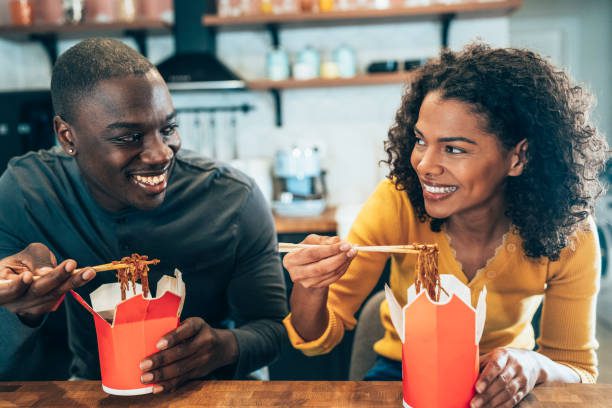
(270, 394)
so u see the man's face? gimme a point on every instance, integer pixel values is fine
(125, 141)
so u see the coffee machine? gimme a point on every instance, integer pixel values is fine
(299, 182)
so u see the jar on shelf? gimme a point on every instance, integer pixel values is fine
(21, 12)
(126, 10)
(345, 58)
(307, 6)
(151, 9)
(74, 11)
(277, 65)
(100, 11)
(326, 5)
(307, 64)
(49, 12)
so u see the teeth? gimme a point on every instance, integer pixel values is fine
(151, 180)
(439, 190)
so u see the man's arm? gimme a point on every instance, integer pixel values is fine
(257, 293)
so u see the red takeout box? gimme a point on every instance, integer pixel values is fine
(128, 330)
(439, 344)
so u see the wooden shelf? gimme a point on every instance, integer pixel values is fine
(360, 80)
(503, 6)
(49, 34)
(84, 28)
(326, 222)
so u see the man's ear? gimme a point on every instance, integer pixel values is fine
(518, 158)
(64, 134)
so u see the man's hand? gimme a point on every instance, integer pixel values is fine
(191, 351)
(31, 297)
(320, 266)
(507, 376)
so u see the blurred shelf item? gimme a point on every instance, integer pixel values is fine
(324, 223)
(495, 6)
(272, 22)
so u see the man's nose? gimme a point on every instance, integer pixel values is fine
(155, 150)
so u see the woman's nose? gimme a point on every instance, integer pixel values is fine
(428, 163)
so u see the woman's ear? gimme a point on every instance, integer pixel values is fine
(518, 158)
(64, 135)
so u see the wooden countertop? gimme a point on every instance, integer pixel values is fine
(326, 222)
(271, 394)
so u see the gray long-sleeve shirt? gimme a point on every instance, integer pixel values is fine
(214, 226)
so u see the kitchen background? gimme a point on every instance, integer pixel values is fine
(346, 124)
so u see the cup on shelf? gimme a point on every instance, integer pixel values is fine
(49, 12)
(329, 69)
(21, 12)
(326, 5)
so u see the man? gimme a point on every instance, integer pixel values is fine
(116, 186)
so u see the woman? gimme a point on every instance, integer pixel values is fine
(493, 159)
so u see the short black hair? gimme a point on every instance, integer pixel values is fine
(522, 96)
(83, 66)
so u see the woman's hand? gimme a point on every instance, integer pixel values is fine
(319, 267)
(193, 350)
(507, 376)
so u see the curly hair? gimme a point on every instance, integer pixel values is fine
(521, 96)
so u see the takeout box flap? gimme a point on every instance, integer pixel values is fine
(455, 289)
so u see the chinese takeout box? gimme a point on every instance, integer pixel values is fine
(128, 330)
(439, 344)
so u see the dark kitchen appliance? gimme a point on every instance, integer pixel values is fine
(26, 123)
(195, 66)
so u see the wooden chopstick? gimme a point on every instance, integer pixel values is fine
(398, 249)
(98, 268)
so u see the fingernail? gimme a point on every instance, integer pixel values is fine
(145, 378)
(345, 246)
(146, 364)
(157, 389)
(162, 344)
(88, 274)
(480, 386)
(475, 403)
(351, 253)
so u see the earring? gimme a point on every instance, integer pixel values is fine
(71, 150)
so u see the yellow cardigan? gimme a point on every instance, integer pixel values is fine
(515, 287)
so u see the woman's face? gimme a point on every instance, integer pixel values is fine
(461, 167)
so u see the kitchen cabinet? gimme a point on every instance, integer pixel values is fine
(445, 12)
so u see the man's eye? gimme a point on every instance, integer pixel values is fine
(131, 138)
(169, 130)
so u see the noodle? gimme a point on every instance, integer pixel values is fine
(138, 268)
(427, 275)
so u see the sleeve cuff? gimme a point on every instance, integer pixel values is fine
(585, 376)
(329, 339)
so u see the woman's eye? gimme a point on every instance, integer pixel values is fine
(454, 150)
(420, 141)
